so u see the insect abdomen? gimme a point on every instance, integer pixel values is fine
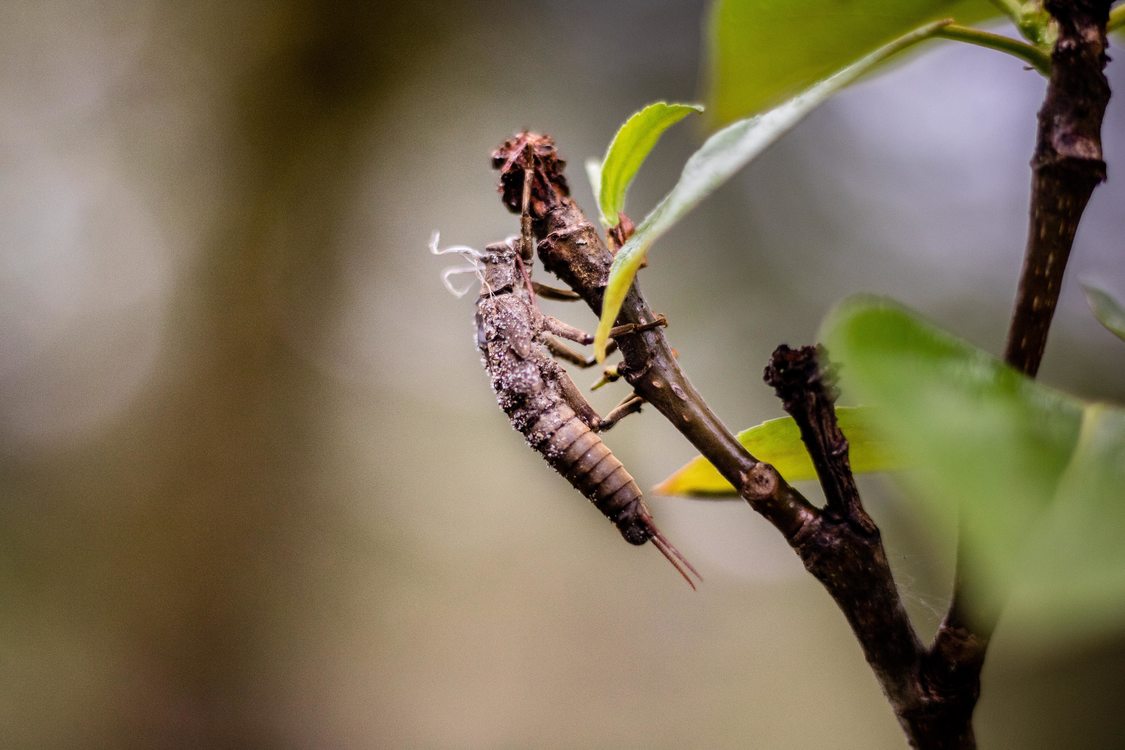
(579, 454)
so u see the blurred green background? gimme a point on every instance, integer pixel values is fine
(256, 491)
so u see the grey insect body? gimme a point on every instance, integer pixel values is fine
(544, 404)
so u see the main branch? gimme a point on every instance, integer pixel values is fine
(840, 545)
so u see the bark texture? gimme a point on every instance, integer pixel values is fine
(840, 545)
(1066, 167)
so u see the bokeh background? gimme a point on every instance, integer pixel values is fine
(255, 489)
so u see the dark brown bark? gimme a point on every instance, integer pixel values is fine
(840, 545)
(806, 390)
(1066, 167)
(846, 555)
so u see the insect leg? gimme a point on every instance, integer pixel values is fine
(555, 293)
(565, 353)
(566, 331)
(569, 332)
(576, 401)
(628, 328)
(630, 405)
(561, 351)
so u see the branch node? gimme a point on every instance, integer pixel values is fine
(760, 483)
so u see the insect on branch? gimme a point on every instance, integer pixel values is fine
(840, 545)
(542, 402)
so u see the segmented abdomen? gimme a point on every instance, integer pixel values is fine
(579, 454)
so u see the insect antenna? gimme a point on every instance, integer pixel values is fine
(473, 265)
(672, 555)
(526, 249)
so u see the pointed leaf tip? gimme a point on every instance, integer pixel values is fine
(628, 150)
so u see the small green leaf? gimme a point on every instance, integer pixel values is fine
(761, 52)
(1035, 475)
(720, 157)
(1109, 312)
(628, 151)
(778, 442)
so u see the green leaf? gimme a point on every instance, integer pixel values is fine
(628, 151)
(762, 52)
(1037, 476)
(778, 442)
(1109, 312)
(720, 157)
(1075, 563)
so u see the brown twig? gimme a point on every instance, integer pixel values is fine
(807, 394)
(840, 545)
(846, 552)
(572, 249)
(1066, 167)
(850, 561)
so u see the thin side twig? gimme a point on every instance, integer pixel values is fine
(807, 393)
(851, 563)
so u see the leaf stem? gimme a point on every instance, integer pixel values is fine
(1030, 54)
